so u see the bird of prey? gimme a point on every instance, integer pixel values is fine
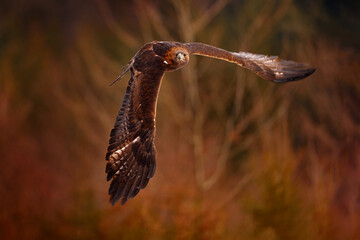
(131, 155)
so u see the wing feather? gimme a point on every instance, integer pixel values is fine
(270, 68)
(273, 68)
(131, 152)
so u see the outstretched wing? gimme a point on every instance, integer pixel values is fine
(271, 68)
(131, 153)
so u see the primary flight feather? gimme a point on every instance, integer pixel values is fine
(131, 155)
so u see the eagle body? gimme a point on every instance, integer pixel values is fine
(131, 154)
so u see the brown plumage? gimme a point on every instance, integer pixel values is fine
(131, 155)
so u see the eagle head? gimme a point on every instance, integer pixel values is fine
(173, 54)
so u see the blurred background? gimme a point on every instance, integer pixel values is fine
(238, 157)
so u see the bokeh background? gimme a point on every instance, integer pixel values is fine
(238, 157)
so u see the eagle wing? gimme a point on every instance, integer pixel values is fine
(270, 68)
(273, 68)
(131, 153)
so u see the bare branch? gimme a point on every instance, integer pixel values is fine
(125, 37)
(210, 13)
(141, 14)
(224, 154)
(157, 22)
(267, 17)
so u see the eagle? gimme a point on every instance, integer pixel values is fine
(131, 154)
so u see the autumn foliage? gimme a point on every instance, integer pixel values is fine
(238, 157)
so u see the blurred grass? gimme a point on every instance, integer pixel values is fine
(238, 157)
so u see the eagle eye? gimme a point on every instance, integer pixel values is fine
(180, 56)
